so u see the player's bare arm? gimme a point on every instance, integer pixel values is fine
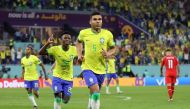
(44, 70)
(52, 67)
(22, 77)
(43, 49)
(161, 70)
(110, 53)
(79, 47)
(178, 70)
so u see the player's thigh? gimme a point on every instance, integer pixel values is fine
(168, 80)
(114, 76)
(108, 77)
(35, 85)
(173, 79)
(100, 78)
(28, 84)
(67, 87)
(57, 85)
(90, 78)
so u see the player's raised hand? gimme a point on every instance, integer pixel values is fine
(51, 39)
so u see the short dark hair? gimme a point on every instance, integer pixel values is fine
(30, 46)
(63, 33)
(66, 32)
(168, 50)
(95, 13)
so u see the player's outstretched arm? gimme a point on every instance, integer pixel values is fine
(43, 49)
(44, 70)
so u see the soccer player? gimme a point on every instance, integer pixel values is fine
(96, 42)
(62, 81)
(111, 73)
(30, 75)
(172, 71)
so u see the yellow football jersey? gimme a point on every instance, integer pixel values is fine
(111, 66)
(30, 67)
(63, 61)
(94, 43)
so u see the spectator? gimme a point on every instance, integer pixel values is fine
(13, 55)
(3, 56)
(19, 55)
(186, 55)
(127, 71)
(8, 55)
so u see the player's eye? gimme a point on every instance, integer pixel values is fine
(100, 19)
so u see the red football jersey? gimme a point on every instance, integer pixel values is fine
(170, 62)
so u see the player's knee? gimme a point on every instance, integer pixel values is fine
(96, 96)
(66, 99)
(100, 86)
(29, 90)
(57, 95)
(57, 98)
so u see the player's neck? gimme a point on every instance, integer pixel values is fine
(96, 30)
(65, 48)
(27, 55)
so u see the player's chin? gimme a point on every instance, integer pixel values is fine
(98, 27)
(67, 44)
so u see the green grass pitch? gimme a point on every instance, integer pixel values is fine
(133, 98)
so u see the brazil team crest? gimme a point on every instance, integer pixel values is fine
(102, 40)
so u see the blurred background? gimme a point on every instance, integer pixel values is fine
(142, 30)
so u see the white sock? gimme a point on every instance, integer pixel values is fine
(95, 101)
(117, 88)
(107, 89)
(89, 102)
(95, 104)
(31, 98)
(57, 103)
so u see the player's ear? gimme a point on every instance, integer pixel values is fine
(90, 22)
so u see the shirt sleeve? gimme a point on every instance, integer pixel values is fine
(110, 40)
(37, 60)
(51, 50)
(81, 36)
